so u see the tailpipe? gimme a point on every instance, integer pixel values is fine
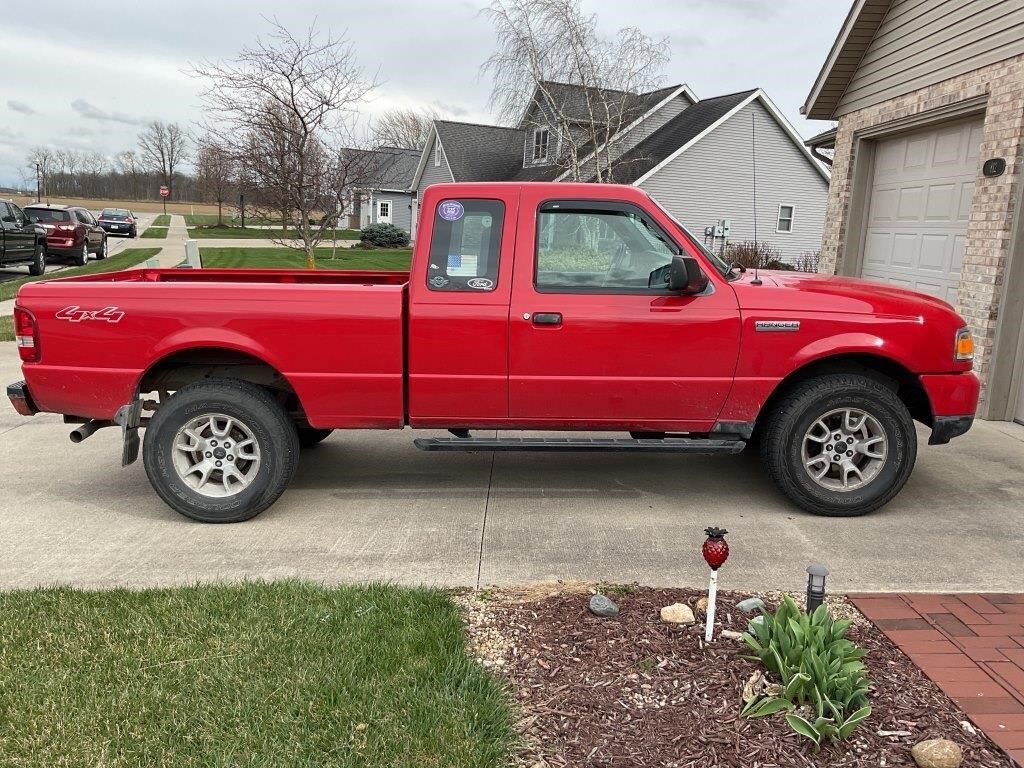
(79, 434)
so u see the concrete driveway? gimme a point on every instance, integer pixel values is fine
(368, 505)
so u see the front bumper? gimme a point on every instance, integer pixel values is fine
(21, 399)
(945, 428)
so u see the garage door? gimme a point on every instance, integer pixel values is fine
(921, 194)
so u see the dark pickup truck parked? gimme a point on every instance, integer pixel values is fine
(21, 240)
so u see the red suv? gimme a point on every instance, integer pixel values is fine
(71, 231)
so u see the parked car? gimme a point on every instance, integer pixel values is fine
(118, 221)
(21, 241)
(71, 231)
(547, 306)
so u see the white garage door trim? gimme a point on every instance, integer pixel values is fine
(915, 223)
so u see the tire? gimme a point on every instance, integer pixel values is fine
(38, 264)
(256, 418)
(133, 233)
(310, 437)
(794, 442)
(83, 257)
(102, 252)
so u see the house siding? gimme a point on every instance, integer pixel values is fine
(401, 208)
(922, 44)
(434, 174)
(714, 180)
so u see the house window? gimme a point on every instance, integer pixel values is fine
(465, 245)
(540, 144)
(437, 153)
(785, 222)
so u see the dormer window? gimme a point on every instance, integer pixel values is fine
(540, 144)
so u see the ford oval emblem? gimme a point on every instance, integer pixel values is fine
(480, 283)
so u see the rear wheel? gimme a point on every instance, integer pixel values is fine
(839, 445)
(220, 451)
(38, 264)
(310, 437)
(83, 256)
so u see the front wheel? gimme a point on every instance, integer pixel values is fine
(220, 451)
(102, 252)
(839, 445)
(38, 264)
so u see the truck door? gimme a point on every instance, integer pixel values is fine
(458, 308)
(591, 345)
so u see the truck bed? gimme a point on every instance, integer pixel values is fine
(337, 337)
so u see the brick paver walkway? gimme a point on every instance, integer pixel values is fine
(972, 646)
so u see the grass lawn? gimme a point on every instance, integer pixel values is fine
(163, 220)
(129, 257)
(260, 234)
(155, 232)
(7, 328)
(282, 674)
(286, 258)
(210, 219)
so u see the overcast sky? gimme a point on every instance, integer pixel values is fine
(87, 77)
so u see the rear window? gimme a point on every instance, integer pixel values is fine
(47, 214)
(465, 246)
(112, 215)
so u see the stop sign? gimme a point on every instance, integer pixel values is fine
(165, 192)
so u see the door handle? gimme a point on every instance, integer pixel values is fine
(547, 318)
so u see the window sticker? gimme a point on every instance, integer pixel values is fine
(480, 283)
(462, 265)
(451, 210)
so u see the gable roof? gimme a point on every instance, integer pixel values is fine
(690, 126)
(572, 100)
(478, 152)
(387, 168)
(850, 45)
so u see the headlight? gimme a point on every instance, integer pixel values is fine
(964, 349)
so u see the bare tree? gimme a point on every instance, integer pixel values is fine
(286, 107)
(216, 173)
(162, 150)
(404, 128)
(127, 164)
(544, 45)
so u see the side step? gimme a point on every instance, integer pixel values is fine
(666, 445)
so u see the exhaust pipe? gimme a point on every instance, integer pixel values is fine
(84, 431)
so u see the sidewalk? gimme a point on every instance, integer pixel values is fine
(970, 645)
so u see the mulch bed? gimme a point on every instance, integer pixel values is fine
(633, 691)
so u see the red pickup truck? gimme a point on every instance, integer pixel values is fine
(570, 307)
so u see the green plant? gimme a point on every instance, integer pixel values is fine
(823, 682)
(385, 235)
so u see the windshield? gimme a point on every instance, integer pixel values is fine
(715, 260)
(47, 214)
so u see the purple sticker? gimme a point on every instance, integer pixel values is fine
(451, 210)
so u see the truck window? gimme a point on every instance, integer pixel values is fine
(599, 248)
(465, 246)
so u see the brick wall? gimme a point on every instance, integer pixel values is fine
(990, 228)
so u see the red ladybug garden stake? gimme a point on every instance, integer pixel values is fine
(716, 552)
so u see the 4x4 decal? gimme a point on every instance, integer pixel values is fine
(75, 314)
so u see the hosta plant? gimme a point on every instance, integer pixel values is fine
(823, 686)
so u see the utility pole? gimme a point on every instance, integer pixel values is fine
(39, 184)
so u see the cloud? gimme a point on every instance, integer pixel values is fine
(92, 112)
(20, 106)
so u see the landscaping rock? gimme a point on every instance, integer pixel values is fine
(750, 605)
(702, 605)
(730, 634)
(938, 753)
(601, 605)
(678, 613)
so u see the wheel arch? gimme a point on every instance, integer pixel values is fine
(887, 371)
(185, 364)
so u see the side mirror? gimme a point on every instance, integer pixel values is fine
(686, 276)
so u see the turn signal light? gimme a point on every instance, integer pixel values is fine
(964, 345)
(26, 335)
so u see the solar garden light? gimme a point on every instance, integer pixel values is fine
(815, 586)
(716, 552)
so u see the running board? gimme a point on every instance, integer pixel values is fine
(667, 445)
